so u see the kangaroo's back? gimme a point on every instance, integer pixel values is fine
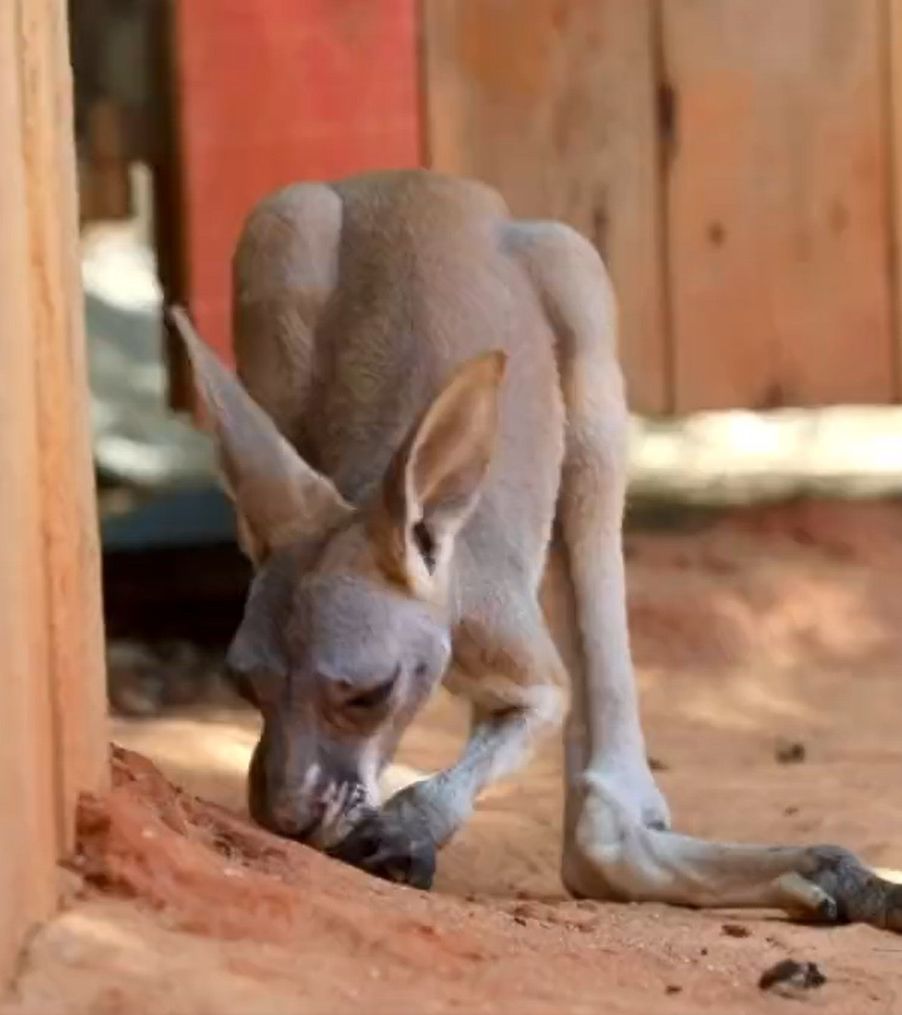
(355, 301)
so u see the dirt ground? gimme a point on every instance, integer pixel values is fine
(773, 625)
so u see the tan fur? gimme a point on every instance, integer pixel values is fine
(373, 318)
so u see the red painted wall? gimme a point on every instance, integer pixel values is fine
(272, 91)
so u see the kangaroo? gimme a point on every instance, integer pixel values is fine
(427, 391)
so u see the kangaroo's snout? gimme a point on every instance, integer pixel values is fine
(294, 819)
(317, 804)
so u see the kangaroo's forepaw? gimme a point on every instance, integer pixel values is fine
(391, 845)
(852, 892)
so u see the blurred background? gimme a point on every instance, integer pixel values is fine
(736, 162)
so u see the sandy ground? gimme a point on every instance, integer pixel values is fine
(770, 623)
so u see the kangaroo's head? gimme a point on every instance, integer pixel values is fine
(346, 627)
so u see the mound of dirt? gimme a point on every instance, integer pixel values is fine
(778, 623)
(287, 929)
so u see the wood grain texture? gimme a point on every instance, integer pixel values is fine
(27, 791)
(52, 687)
(893, 63)
(71, 551)
(554, 103)
(777, 203)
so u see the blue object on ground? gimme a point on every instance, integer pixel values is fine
(191, 517)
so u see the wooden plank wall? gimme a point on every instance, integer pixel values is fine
(779, 224)
(731, 160)
(735, 162)
(555, 103)
(52, 691)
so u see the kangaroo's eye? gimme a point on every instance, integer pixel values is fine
(373, 697)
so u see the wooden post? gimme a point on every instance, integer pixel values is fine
(52, 691)
(893, 56)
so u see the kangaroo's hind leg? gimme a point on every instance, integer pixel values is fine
(616, 842)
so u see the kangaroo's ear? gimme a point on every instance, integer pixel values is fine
(435, 480)
(279, 499)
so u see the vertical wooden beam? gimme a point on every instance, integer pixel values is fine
(52, 686)
(892, 55)
(554, 102)
(70, 531)
(27, 791)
